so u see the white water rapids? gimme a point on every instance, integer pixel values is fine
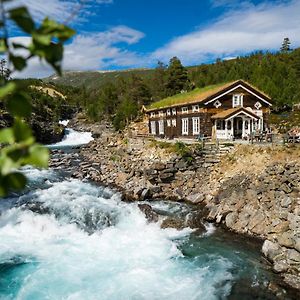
(90, 245)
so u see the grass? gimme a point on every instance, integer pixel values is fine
(184, 97)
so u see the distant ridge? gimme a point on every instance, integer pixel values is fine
(95, 79)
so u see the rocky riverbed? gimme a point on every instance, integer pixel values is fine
(252, 190)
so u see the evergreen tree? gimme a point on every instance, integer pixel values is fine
(297, 63)
(4, 72)
(138, 91)
(177, 77)
(286, 45)
(158, 84)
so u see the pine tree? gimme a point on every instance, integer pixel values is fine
(286, 45)
(177, 77)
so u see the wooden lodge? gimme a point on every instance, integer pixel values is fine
(229, 111)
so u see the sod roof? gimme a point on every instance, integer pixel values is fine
(197, 95)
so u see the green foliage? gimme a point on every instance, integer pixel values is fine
(286, 45)
(17, 144)
(184, 151)
(177, 77)
(101, 94)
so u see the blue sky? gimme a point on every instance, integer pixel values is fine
(121, 34)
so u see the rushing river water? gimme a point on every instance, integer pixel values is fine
(68, 239)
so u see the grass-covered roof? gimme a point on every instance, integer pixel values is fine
(198, 94)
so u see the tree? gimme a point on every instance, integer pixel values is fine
(297, 62)
(177, 77)
(138, 91)
(18, 144)
(158, 83)
(4, 72)
(286, 45)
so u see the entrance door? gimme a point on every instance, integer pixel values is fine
(238, 128)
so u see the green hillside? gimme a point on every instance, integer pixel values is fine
(95, 79)
(119, 95)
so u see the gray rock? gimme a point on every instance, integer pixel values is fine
(271, 249)
(181, 165)
(195, 198)
(280, 266)
(230, 219)
(293, 255)
(166, 177)
(150, 215)
(286, 202)
(292, 280)
(284, 187)
(286, 239)
(146, 193)
(158, 166)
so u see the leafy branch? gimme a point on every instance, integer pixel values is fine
(17, 143)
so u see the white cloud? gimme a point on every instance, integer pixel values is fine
(238, 31)
(91, 51)
(60, 10)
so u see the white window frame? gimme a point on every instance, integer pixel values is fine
(185, 110)
(195, 108)
(174, 122)
(174, 112)
(153, 127)
(237, 100)
(152, 115)
(161, 129)
(196, 125)
(168, 123)
(185, 126)
(160, 113)
(168, 112)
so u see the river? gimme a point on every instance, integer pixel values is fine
(68, 239)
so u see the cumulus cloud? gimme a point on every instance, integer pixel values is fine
(238, 31)
(91, 51)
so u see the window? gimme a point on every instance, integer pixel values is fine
(196, 125)
(246, 125)
(195, 108)
(185, 110)
(153, 127)
(161, 113)
(257, 105)
(237, 100)
(217, 104)
(220, 125)
(174, 123)
(229, 125)
(152, 115)
(174, 111)
(185, 126)
(161, 127)
(169, 123)
(168, 112)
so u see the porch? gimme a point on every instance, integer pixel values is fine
(235, 124)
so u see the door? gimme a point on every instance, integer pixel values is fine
(238, 127)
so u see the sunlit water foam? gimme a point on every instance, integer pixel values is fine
(64, 122)
(125, 258)
(73, 138)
